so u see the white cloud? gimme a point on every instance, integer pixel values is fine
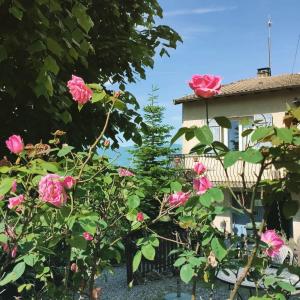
(196, 11)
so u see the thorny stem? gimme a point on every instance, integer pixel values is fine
(94, 145)
(256, 233)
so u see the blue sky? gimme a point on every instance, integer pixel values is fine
(224, 37)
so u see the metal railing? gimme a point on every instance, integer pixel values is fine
(216, 173)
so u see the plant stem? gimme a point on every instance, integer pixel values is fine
(206, 111)
(249, 263)
(194, 288)
(92, 148)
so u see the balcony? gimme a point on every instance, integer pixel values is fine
(216, 173)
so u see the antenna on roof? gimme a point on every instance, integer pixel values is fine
(269, 40)
(295, 57)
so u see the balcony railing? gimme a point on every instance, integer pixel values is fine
(216, 173)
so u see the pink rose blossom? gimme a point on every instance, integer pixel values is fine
(15, 144)
(15, 201)
(205, 86)
(51, 190)
(199, 168)
(124, 172)
(273, 241)
(178, 198)
(69, 182)
(14, 251)
(140, 217)
(87, 236)
(79, 91)
(201, 185)
(9, 232)
(74, 268)
(5, 248)
(14, 186)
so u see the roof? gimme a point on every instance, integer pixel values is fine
(252, 85)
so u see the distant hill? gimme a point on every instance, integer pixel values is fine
(122, 157)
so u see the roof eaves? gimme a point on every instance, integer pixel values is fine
(192, 98)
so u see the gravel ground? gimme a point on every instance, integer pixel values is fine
(114, 287)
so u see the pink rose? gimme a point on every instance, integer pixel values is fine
(14, 186)
(14, 251)
(199, 168)
(178, 198)
(15, 201)
(79, 91)
(201, 185)
(15, 144)
(87, 236)
(124, 172)
(74, 268)
(273, 241)
(69, 182)
(5, 248)
(51, 190)
(9, 232)
(140, 217)
(205, 86)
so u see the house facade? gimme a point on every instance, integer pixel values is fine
(263, 99)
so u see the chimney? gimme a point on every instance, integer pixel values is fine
(264, 72)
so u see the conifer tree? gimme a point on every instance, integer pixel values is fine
(152, 158)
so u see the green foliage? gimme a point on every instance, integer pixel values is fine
(47, 42)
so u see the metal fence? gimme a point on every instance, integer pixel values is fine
(163, 262)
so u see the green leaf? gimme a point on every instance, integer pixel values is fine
(207, 240)
(290, 208)
(136, 260)
(148, 251)
(247, 132)
(3, 238)
(179, 262)
(218, 249)
(15, 274)
(51, 65)
(231, 158)
(120, 105)
(48, 166)
(176, 186)
(5, 185)
(30, 259)
(212, 195)
(54, 47)
(133, 201)
(252, 155)
(223, 122)
(66, 117)
(16, 12)
(178, 134)
(204, 135)
(78, 242)
(64, 151)
(186, 273)
(45, 250)
(98, 96)
(286, 286)
(261, 133)
(285, 134)
(199, 149)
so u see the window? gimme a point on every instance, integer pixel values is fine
(216, 130)
(233, 141)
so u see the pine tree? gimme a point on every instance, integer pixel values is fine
(152, 159)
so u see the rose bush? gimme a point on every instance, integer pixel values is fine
(64, 213)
